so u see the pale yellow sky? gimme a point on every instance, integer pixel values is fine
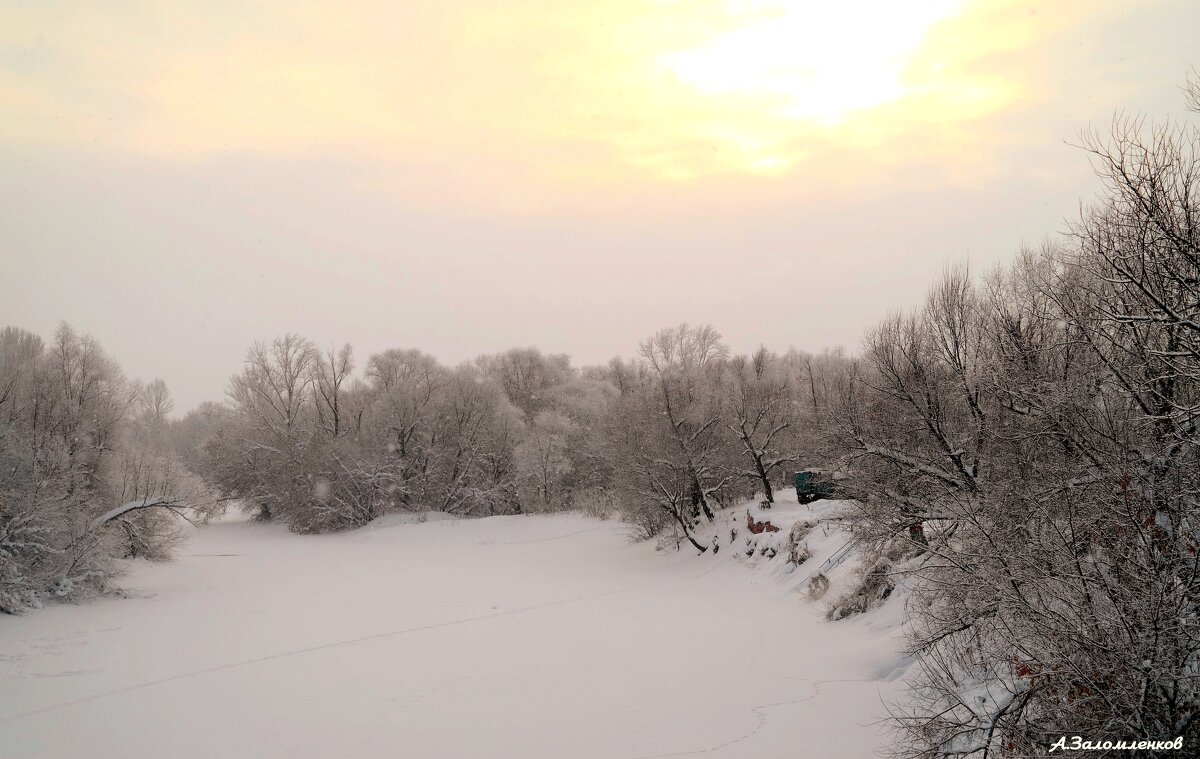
(466, 175)
(564, 94)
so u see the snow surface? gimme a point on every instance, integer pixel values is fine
(535, 636)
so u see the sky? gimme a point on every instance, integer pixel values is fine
(182, 179)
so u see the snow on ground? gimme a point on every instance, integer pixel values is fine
(535, 636)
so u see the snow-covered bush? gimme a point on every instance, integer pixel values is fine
(818, 586)
(594, 502)
(646, 519)
(797, 551)
(873, 585)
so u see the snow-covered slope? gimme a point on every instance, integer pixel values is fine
(811, 541)
(549, 636)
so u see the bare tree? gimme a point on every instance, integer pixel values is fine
(330, 372)
(266, 459)
(666, 438)
(156, 402)
(526, 376)
(918, 432)
(274, 390)
(762, 413)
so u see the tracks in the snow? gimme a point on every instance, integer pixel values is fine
(301, 651)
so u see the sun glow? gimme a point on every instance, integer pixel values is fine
(815, 60)
(814, 63)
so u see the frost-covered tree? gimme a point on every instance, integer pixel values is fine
(266, 458)
(526, 376)
(477, 431)
(544, 462)
(586, 402)
(77, 489)
(404, 394)
(915, 418)
(1060, 586)
(293, 445)
(670, 454)
(330, 377)
(762, 415)
(155, 402)
(307, 442)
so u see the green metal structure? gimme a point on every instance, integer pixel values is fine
(812, 486)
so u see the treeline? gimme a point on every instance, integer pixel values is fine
(90, 469)
(667, 439)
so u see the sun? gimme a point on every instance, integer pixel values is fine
(819, 60)
(777, 64)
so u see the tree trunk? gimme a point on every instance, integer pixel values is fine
(686, 532)
(766, 481)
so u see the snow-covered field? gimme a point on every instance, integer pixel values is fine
(536, 636)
